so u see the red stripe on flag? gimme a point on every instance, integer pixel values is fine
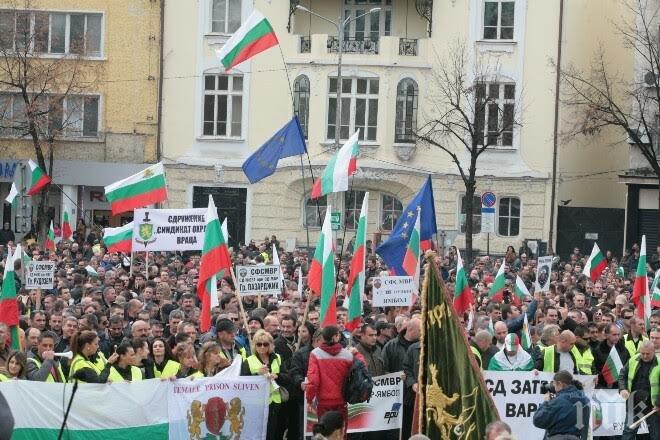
(330, 317)
(215, 259)
(409, 263)
(123, 246)
(463, 301)
(354, 324)
(263, 43)
(316, 189)
(66, 231)
(314, 277)
(139, 201)
(596, 272)
(43, 181)
(352, 166)
(9, 311)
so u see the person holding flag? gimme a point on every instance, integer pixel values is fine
(511, 357)
(610, 357)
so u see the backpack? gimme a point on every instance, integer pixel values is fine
(359, 383)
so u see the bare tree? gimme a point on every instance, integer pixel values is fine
(472, 110)
(44, 76)
(601, 97)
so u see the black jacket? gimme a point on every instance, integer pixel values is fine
(394, 353)
(373, 358)
(284, 348)
(298, 371)
(411, 370)
(641, 384)
(600, 358)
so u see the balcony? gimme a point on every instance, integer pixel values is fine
(352, 45)
(408, 46)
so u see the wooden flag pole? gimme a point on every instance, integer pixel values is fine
(240, 304)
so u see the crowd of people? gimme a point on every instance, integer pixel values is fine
(126, 323)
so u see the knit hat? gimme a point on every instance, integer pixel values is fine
(258, 319)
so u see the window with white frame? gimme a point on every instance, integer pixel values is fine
(509, 216)
(47, 32)
(498, 19)
(315, 211)
(391, 209)
(301, 102)
(406, 111)
(223, 105)
(352, 206)
(370, 26)
(476, 214)
(494, 113)
(359, 108)
(72, 116)
(225, 16)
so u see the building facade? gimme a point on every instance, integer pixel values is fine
(108, 128)
(213, 120)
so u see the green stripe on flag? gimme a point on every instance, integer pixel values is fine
(260, 30)
(213, 237)
(137, 188)
(129, 433)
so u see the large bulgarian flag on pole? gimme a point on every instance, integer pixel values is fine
(496, 292)
(215, 263)
(596, 264)
(520, 291)
(322, 276)
(356, 277)
(411, 258)
(137, 191)
(67, 233)
(463, 297)
(341, 165)
(8, 304)
(119, 239)
(640, 294)
(254, 36)
(50, 238)
(38, 178)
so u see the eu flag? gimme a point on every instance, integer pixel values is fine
(394, 249)
(288, 141)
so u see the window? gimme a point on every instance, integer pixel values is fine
(352, 206)
(494, 113)
(73, 116)
(498, 20)
(476, 214)
(509, 216)
(52, 32)
(223, 105)
(406, 111)
(370, 26)
(225, 16)
(315, 211)
(359, 108)
(390, 212)
(301, 102)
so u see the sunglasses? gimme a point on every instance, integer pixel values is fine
(262, 344)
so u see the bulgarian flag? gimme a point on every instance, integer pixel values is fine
(641, 286)
(215, 263)
(321, 276)
(496, 292)
(67, 233)
(411, 259)
(612, 367)
(119, 239)
(525, 337)
(655, 290)
(520, 291)
(50, 238)
(357, 275)
(8, 304)
(596, 264)
(462, 292)
(12, 198)
(341, 165)
(38, 178)
(276, 257)
(137, 191)
(254, 36)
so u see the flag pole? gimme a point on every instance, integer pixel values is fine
(240, 304)
(131, 269)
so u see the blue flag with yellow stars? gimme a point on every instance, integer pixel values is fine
(394, 249)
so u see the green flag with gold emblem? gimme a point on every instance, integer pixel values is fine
(453, 400)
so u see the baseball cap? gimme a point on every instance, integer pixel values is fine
(511, 342)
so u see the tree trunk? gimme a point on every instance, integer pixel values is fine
(657, 231)
(469, 215)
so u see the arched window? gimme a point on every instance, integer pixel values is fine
(314, 215)
(301, 101)
(406, 111)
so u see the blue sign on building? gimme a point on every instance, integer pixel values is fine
(8, 169)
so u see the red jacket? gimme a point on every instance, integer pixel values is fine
(328, 370)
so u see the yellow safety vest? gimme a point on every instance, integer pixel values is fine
(50, 377)
(4, 378)
(654, 377)
(114, 375)
(586, 361)
(549, 360)
(630, 345)
(255, 365)
(477, 355)
(170, 369)
(78, 363)
(241, 351)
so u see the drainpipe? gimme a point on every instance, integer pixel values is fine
(159, 123)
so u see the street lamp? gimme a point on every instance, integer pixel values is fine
(340, 25)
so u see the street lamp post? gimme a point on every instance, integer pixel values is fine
(341, 27)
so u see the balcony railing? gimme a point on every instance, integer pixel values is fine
(408, 46)
(351, 45)
(305, 44)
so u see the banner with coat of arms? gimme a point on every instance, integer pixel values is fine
(169, 229)
(217, 408)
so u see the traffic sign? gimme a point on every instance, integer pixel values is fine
(488, 199)
(335, 221)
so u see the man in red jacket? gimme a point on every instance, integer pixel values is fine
(328, 370)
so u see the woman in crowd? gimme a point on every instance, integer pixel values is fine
(164, 366)
(125, 368)
(143, 357)
(15, 367)
(210, 359)
(84, 368)
(330, 427)
(185, 354)
(264, 361)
